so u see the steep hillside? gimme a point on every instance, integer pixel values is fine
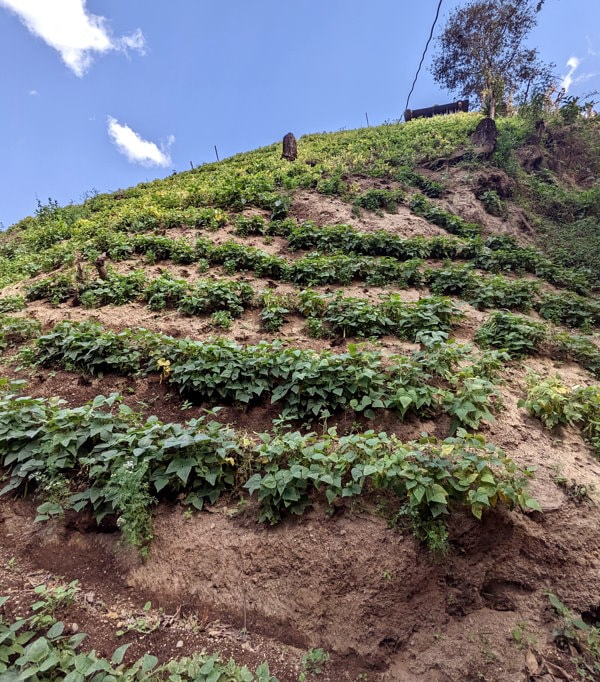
(340, 414)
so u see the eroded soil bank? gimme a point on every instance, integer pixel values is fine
(368, 594)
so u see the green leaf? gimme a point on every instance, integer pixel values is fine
(119, 654)
(76, 640)
(50, 662)
(246, 675)
(439, 498)
(74, 676)
(405, 401)
(182, 468)
(418, 493)
(56, 630)
(148, 662)
(556, 603)
(530, 503)
(488, 477)
(331, 495)
(36, 651)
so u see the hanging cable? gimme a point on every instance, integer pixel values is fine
(437, 14)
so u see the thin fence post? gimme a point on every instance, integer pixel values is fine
(217, 153)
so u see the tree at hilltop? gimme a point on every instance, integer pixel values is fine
(481, 52)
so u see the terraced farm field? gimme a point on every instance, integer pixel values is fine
(332, 419)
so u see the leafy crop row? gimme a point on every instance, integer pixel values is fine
(357, 317)
(310, 270)
(431, 475)
(11, 304)
(482, 292)
(379, 200)
(42, 650)
(429, 187)
(56, 289)
(275, 307)
(58, 234)
(306, 384)
(554, 403)
(495, 254)
(569, 309)
(379, 266)
(580, 349)
(16, 330)
(116, 289)
(504, 253)
(521, 336)
(331, 238)
(329, 314)
(517, 335)
(203, 296)
(316, 269)
(259, 178)
(450, 222)
(104, 458)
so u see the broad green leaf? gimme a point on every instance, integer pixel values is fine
(119, 654)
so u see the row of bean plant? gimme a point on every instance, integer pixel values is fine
(210, 294)
(555, 404)
(306, 384)
(104, 458)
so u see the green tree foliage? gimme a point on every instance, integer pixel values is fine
(481, 52)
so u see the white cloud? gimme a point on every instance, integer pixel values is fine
(135, 41)
(567, 80)
(68, 27)
(135, 148)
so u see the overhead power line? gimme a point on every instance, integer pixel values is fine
(437, 14)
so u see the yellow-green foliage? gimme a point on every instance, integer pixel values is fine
(555, 403)
(203, 198)
(199, 198)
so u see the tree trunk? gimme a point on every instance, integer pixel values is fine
(492, 105)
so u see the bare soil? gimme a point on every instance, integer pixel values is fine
(325, 210)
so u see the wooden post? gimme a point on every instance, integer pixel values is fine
(290, 148)
(217, 153)
(101, 267)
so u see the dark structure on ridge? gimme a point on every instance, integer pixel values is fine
(290, 148)
(437, 109)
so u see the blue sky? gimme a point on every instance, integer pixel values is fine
(109, 93)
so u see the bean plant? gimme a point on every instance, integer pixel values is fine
(117, 464)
